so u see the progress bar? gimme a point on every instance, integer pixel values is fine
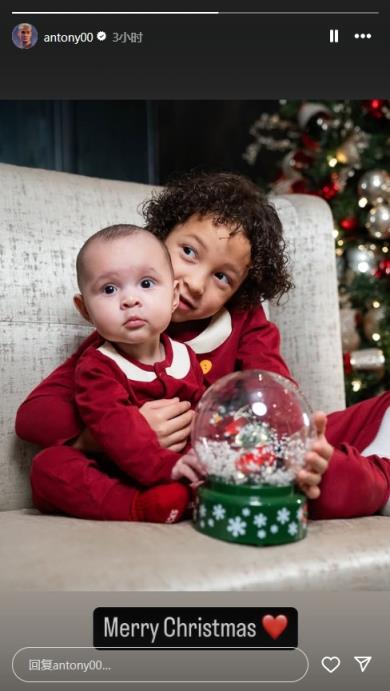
(49, 12)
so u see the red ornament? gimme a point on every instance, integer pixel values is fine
(383, 270)
(258, 457)
(375, 107)
(329, 191)
(233, 428)
(245, 462)
(358, 319)
(309, 143)
(349, 223)
(300, 160)
(347, 363)
(265, 455)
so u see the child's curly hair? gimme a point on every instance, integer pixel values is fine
(235, 201)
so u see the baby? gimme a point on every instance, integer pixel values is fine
(128, 292)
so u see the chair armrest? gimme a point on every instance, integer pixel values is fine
(308, 316)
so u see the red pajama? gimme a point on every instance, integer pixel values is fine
(110, 387)
(354, 484)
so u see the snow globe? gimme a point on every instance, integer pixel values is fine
(251, 432)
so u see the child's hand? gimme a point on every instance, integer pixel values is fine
(171, 420)
(190, 468)
(316, 460)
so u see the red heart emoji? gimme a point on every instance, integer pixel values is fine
(274, 626)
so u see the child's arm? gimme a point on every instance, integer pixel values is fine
(259, 345)
(49, 415)
(118, 427)
(356, 484)
(353, 486)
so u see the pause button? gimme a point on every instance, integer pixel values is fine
(333, 35)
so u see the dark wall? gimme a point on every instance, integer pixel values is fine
(113, 139)
(130, 140)
(208, 135)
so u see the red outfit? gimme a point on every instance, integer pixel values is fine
(110, 387)
(353, 484)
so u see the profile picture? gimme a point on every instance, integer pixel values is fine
(24, 36)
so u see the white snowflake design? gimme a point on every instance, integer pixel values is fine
(274, 528)
(202, 510)
(202, 524)
(246, 511)
(283, 516)
(300, 513)
(261, 534)
(211, 522)
(292, 528)
(219, 512)
(236, 526)
(260, 520)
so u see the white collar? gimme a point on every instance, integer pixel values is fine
(216, 333)
(178, 369)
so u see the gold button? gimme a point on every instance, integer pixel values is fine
(206, 366)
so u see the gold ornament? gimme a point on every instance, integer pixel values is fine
(348, 152)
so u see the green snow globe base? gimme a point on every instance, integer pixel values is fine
(250, 514)
(251, 432)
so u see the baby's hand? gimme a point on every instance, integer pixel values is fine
(316, 460)
(189, 467)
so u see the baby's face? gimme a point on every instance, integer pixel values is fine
(128, 289)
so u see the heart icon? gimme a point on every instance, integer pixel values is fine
(274, 626)
(330, 663)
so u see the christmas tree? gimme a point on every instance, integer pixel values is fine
(340, 151)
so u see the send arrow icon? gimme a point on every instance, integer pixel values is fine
(363, 661)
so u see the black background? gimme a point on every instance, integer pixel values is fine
(240, 56)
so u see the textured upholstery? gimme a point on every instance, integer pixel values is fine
(69, 554)
(44, 218)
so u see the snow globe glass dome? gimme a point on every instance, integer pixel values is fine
(251, 432)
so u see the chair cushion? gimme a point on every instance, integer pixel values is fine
(59, 553)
